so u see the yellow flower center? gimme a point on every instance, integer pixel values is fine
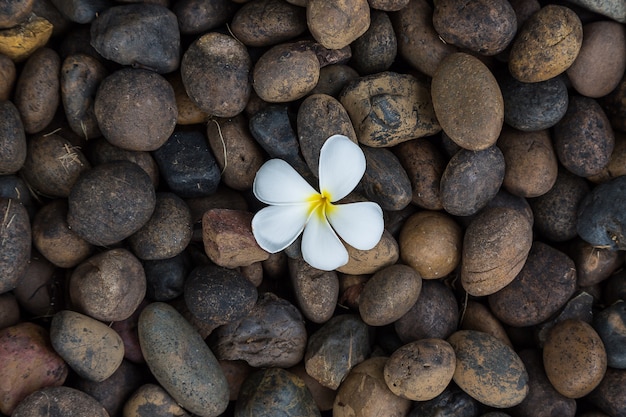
(320, 204)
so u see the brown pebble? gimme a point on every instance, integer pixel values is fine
(574, 358)
(546, 45)
(385, 253)
(228, 238)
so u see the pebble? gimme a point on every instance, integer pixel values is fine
(389, 294)
(601, 62)
(272, 335)
(335, 348)
(615, 9)
(268, 390)
(187, 165)
(180, 360)
(316, 291)
(533, 106)
(217, 295)
(546, 45)
(420, 370)
(610, 324)
(59, 401)
(75, 337)
(228, 238)
(545, 283)
(150, 400)
(574, 358)
(19, 42)
(124, 34)
(16, 243)
(379, 89)
(488, 370)
(399, 108)
(468, 102)
(28, 364)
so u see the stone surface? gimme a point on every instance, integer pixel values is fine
(181, 361)
(228, 239)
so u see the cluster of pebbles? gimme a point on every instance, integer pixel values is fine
(495, 138)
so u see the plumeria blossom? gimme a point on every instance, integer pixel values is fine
(294, 207)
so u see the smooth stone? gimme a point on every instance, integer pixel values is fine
(336, 347)
(542, 399)
(610, 395)
(28, 364)
(385, 181)
(452, 402)
(19, 42)
(615, 9)
(375, 51)
(16, 243)
(488, 370)
(579, 307)
(584, 138)
(610, 324)
(271, 128)
(533, 106)
(574, 358)
(151, 400)
(321, 116)
(143, 35)
(81, 11)
(12, 139)
(218, 295)
(181, 361)
(127, 329)
(525, 301)
(316, 291)
(389, 294)
(268, 390)
(9, 310)
(272, 335)
(113, 392)
(91, 348)
(187, 165)
(59, 401)
(467, 101)
(435, 314)
(167, 233)
(385, 253)
(228, 239)
(471, 179)
(165, 278)
(601, 62)
(546, 45)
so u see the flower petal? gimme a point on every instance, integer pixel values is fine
(360, 225)
(277, 183)
(321, 248)
(342, 165)
(276, 227)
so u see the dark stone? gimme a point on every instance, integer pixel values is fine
(533, 106)
(188, 165)
(165, 278)
(385, 181)
(602, 215)
(453, 402)
(142, 35)
(271, 128)
(81, 11)
(269, 390)
(610, 324)
(217, 295)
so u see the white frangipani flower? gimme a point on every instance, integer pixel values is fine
(295, 206)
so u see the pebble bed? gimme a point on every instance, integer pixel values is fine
(131, 283)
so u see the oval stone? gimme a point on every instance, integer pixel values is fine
(467, 101)
(269, 390)
(181, 361)
(546, 45)
(488, 370)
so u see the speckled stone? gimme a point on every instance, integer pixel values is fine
(180, 360)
